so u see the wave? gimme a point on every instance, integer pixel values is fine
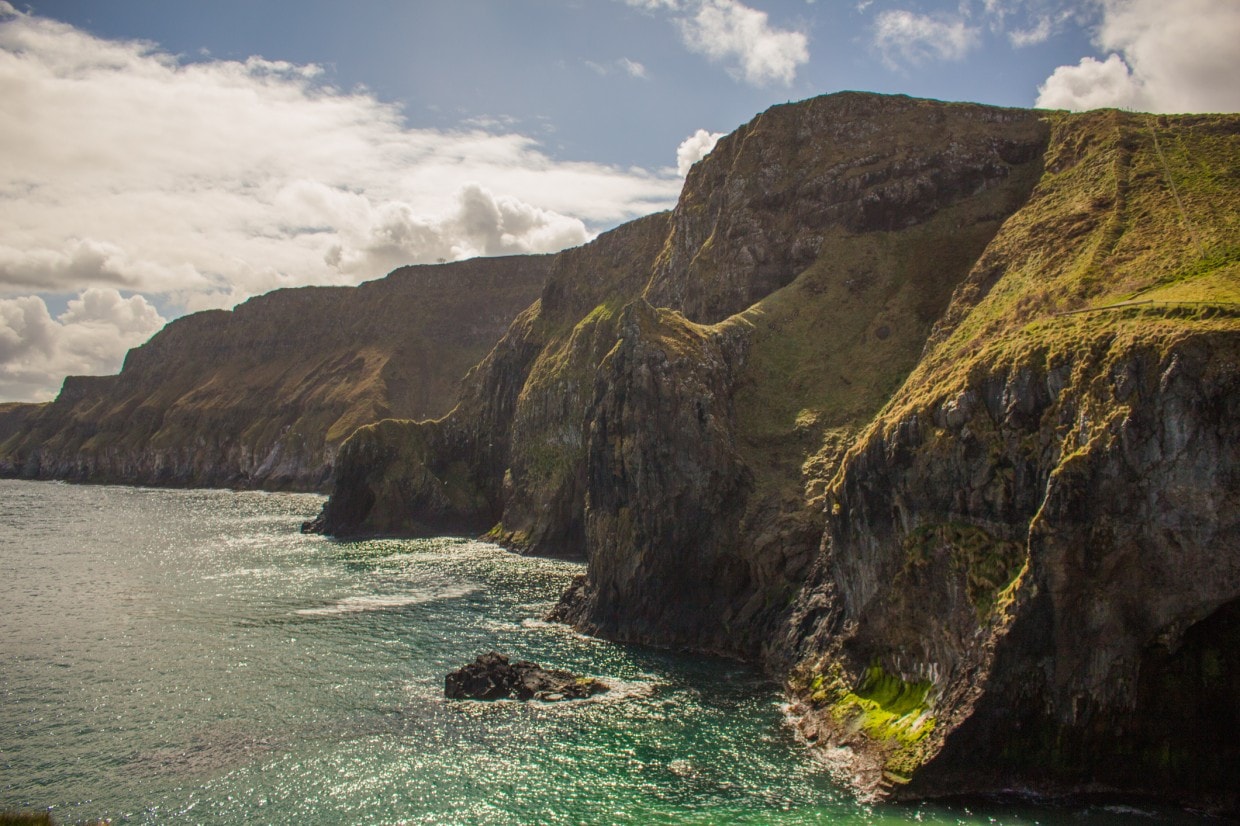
(381, 602)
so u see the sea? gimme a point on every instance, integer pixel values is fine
(189, 657)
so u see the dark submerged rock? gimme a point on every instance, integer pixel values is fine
(493, 677)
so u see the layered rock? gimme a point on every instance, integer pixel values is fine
(263, 396)
(508, 458)
(931, 408)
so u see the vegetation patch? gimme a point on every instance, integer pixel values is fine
(989, 565)
(887, 708)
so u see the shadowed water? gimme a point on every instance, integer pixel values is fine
(190, 657)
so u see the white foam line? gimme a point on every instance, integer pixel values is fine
(380, 602)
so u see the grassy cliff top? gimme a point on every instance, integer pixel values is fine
(1133, 233)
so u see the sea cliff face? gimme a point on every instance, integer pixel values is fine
(263, 396)
(862, 407)
(1029, 573)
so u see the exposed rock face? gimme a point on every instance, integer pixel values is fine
(663, 473)
(517, 454)
(759, 211)
(493, 677)
(262, 396)
(509, 457)
(1029, 571)
(835, 413)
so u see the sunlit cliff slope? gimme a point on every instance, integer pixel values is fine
(263, 395)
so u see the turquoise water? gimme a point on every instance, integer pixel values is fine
(190, 657)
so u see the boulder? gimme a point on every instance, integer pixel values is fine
(493, 677)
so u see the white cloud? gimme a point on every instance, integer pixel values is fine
(655, 5)
(731, 32)
(204, 183)
(1091, 84)
(906, 37)
(377, 239)
(1163, 57)
(629, 67)
(89, 338)
(695, 147)
(1040, 32)
(633, 68)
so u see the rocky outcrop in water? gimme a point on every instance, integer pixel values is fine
(494, 677)
(263, 396)
(929, 407)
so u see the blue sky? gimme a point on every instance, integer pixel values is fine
(163, 156)
(554, 67)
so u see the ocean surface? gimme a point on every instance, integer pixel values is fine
(189, 657)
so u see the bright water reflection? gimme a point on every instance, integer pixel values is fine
(189, 657)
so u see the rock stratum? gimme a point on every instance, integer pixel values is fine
(933, 409)
(262, 396)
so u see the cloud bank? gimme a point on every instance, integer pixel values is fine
(191, 185)
(1163, 57)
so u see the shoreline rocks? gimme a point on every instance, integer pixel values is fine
(494, 677)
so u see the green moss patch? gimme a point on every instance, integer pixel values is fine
(888, 708)
(896, 714)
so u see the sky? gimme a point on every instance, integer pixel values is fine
(159, 157)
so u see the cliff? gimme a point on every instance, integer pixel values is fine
(1029, 570)
(262, 396)
(931, 408)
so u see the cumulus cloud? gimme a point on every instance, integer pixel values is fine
(695, 147)
(481, 223)
(1163, 57)
(1091, 84)
(202, 183)
(90, 337)
(742, 38)
(907, 37)
(731, 32)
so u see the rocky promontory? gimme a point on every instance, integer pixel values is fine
(930, 408)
